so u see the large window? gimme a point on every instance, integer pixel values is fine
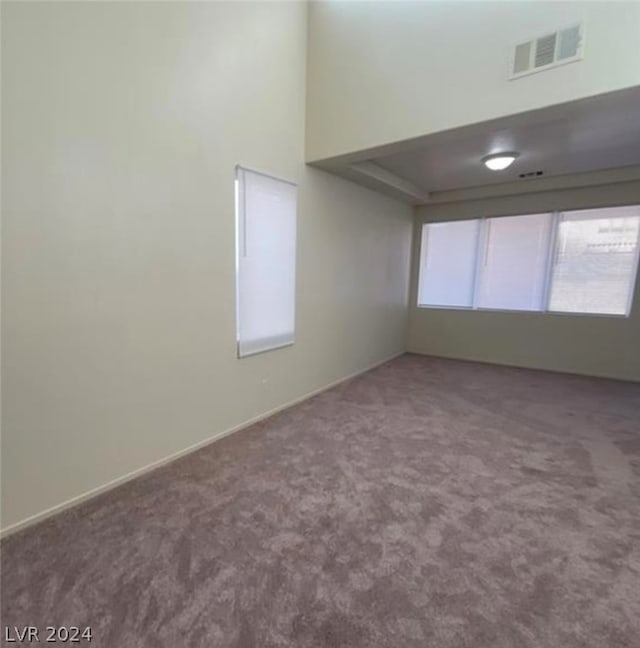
(572, 262)
(265, 262)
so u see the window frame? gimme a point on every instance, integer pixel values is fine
(480, 252)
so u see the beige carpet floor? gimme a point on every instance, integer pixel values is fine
(427, 503)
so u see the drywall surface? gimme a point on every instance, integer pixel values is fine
(122, 124)
(384, 71)
(592, 345)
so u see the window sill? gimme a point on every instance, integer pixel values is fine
(526, 312)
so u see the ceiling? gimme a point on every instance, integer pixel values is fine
(585, 136)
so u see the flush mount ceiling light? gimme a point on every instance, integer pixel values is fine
(499, 161)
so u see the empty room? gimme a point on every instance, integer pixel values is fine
(320, 324)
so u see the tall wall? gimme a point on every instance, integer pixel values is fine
(382, 71)
(583, 344)
(122, 123)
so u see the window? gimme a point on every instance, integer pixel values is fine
(450, 263)
(514, 263)
(265, 262)
(572, 262)
(595, 261)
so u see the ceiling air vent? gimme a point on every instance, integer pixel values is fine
(548, 51)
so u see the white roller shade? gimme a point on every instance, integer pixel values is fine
(266, 261)
(448, 263)
(514, 262)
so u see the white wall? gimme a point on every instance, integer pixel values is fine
(582, 344)
(383, 71)
(122, 124)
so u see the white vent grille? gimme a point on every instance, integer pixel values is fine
(545, 50)
(570, 43)
(522, 59)
(548, 51)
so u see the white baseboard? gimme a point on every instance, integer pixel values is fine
(78, 499)
(514, 365)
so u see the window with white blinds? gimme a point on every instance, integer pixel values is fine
(449, 263)
(514, 262)
(265, 262)
(572, 262)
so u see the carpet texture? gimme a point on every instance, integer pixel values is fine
(429, 503)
